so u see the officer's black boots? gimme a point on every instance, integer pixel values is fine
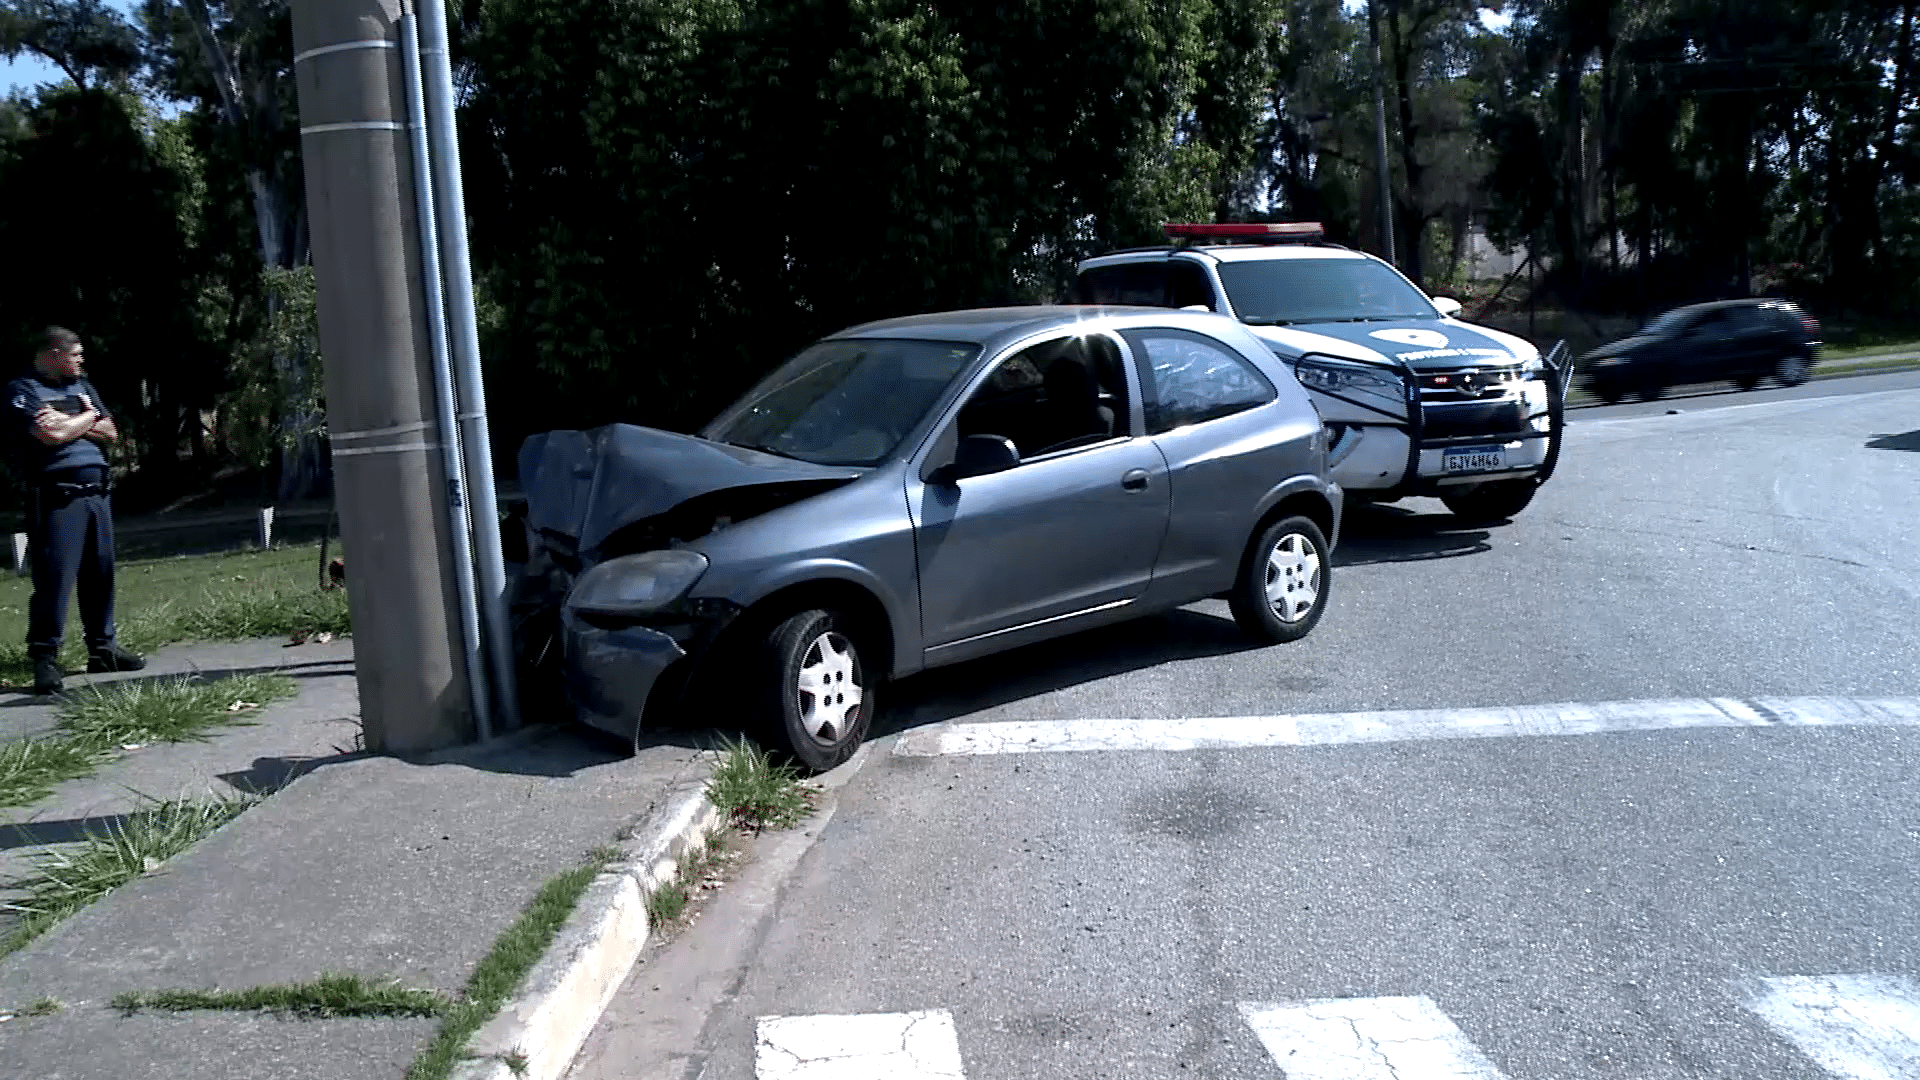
(48, 678)
(113, 658)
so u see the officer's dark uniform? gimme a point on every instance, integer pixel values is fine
(69, 517)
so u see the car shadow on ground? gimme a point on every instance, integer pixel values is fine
(1033, 670)
(1908, 441)
(1373, 534)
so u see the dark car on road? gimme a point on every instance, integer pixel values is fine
(1738, 341)
(913, 493)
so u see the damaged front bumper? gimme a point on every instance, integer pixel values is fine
(611, 672)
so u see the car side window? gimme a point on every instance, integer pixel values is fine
(1189, 285)
(1059, 394)
(1186, 378)
(1142, 283)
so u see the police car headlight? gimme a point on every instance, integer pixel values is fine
(1333, 377)
(637, 584)
(1532, 366)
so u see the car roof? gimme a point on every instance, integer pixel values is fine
(1749, 301)
(983, 325)
(1229, 253)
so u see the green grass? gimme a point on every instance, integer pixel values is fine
(189, 598)
(98, 722)
(323, 999)
(500, 973)
(666, 904)
(66, 880)
(756, 792)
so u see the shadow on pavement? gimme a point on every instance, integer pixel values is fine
(1908, 441)
(1391, 534)
(79, 680)
(945, 693)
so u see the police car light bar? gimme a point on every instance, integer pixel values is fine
(1275, 232)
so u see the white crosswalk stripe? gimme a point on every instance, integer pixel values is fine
(1328, 729)
(1852, 1027)
(1382, 1038)
(866, 1046)
(1858, 1027)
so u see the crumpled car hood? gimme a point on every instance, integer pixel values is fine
(590, 484)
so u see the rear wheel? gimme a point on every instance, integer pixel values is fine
(1495, 501)
(1747, 382)
(1653, 391)
(1792, 369)
(1609, 395)
(1282, 589)
(817, 692)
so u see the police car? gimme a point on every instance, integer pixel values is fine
(1415, 401)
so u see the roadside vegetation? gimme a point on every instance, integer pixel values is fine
(228, 597)
(327, 997)
(70, 878)
(756, 791)
(100, 723)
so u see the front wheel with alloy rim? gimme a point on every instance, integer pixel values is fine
(1495, 501)
(819, 693)
(1792, 369)
(1282, 588)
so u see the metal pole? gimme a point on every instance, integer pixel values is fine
(450, 203)
(1380, 140)
(373, 332)
(457, 524)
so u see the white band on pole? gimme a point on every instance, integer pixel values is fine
(346, 46)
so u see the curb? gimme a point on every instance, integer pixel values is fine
(547, 1021)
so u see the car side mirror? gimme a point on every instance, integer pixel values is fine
(1447, 306)
(978, 455)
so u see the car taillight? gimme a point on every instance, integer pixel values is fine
(1812, 324)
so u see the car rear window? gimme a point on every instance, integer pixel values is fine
(1141, 283)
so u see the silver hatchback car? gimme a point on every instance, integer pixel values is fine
(918, 492)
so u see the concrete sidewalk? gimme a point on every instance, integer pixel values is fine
(360, 864)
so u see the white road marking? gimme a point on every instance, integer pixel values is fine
(1383, 1038)
(868, 1046)
(1328, 729)
(1861, 1027)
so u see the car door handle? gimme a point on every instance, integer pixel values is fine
(1135, 480)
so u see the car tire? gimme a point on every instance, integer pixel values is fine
(1792, 369)
(1609, 396)
(1282, 588)
(817, 694)
(1491, 502)
(1653, 391)
(1747, 382)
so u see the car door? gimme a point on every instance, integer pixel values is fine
(1709, 349)
(1063, 539)
(1749, 342)
(1203, 404)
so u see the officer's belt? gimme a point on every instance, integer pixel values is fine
(76, 489)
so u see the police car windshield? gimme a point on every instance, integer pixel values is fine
(1282, 291)
(844, 402)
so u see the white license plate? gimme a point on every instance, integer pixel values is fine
(1469, 459)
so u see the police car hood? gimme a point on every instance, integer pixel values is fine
(587, 485)
(1422, 344)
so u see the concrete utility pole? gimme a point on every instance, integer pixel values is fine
(1380, 167)
(380, 388)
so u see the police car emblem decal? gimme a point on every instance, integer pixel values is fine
(1424, 339)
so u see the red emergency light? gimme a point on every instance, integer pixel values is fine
(1273, 232)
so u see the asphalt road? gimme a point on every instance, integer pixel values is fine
(1578, 907)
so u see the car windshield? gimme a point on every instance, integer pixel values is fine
(1281, 291)
(843, 402)
(1673, 320)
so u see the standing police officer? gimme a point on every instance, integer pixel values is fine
(62, 427)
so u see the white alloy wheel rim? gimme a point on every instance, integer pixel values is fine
(1293, 577)
(829, 689)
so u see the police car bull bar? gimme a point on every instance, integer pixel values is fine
(1556, 371)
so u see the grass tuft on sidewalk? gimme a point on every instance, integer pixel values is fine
(66, 880)
(98, 723)
(504, 968)
(756, 792)
(323, 999)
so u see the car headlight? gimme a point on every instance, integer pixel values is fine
(1333, 377)
(637, 584)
